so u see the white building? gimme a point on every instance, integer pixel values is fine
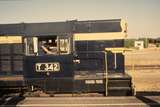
(139, 44)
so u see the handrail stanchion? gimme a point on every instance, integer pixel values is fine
(106, 74)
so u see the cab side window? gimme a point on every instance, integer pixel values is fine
(64, 46)
(31, 46)
(48, 45)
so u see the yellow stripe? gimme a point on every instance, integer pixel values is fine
(10, 39)
(99, 36)
(118, 50)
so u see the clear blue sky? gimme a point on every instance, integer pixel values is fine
(143, 16)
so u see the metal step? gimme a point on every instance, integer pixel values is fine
(119, 88)
(119, 91)
(119, 85)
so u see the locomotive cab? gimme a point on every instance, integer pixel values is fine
(49, 63)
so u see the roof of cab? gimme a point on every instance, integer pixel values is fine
(60, 28)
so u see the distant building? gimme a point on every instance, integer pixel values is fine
(130, 43)
(139, 44)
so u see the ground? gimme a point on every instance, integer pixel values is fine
(144, 66)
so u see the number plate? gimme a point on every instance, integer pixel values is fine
(48, 67)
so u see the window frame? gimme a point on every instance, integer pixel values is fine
(68, 45)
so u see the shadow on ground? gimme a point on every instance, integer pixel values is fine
(148, 101)
(11, 101)
(148, 93)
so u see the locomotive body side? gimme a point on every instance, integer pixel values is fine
(70, 57)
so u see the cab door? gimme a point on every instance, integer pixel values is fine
(115, 60)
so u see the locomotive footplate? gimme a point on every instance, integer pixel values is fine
(118, 84)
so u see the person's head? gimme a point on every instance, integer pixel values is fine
(50, 41)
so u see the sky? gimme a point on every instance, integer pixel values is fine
(142, 16)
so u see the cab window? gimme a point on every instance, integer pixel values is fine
(47, 45)
(64, 46)
(31, 46)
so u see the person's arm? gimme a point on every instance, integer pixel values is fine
(46, 50)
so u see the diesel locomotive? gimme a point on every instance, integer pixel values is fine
(65, 57)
